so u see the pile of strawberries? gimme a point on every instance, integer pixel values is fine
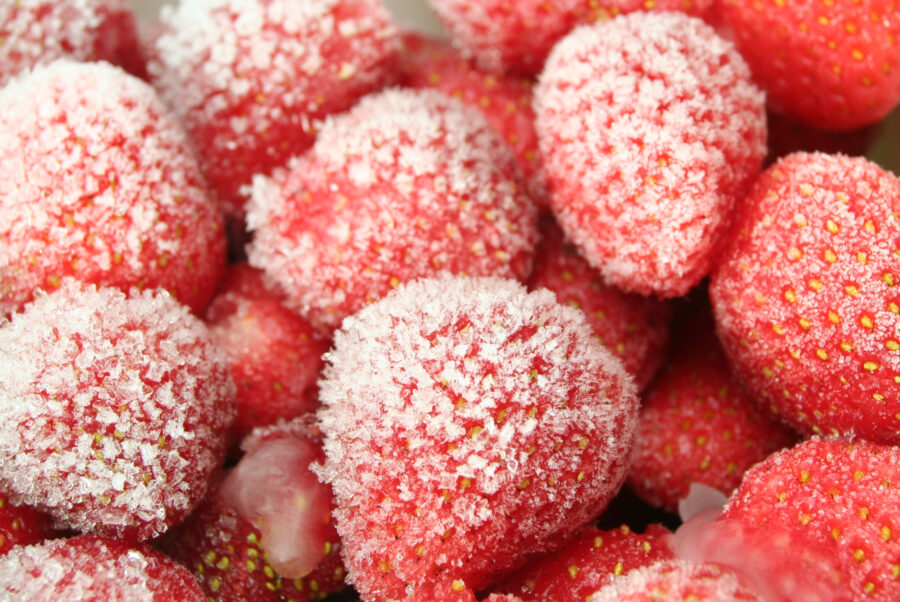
(298, 305)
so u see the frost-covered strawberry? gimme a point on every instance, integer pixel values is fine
(634, 328)
(807, 296)
(249, 78)
(650, 129)
(519, 35)
(94, 569)
(21, 525)
(468, 424)
(273, 354)
(408, 184)
(35, 32)
(677, 581)
(97, 182)
(588, 563)
(833, 65)
(113, 409)
(504, 100)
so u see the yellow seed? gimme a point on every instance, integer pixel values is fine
(458, 585)
(859, 555)
(871, 366)
(888, 279)
(790, 296)
(892, 345)
(804, 476)
(815, 284)
(858, 475)
(830, 256)
(886, 533)
(866, 321)
(805, 324)
(851, 290)
(573, 571)
(832, 227)
(619, 569)
(821, 353)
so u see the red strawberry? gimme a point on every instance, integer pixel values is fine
(677, 581)
(634, 328)
(504, 100)
(807, 300)
(35, 32)
(407, 184)
(98, 183)
(22, 525)
(113, 409)
(249, 79)
(697, 425)
(273, 354)
(832, 65)
(589, 562)
(94, 569)
(468, 424)
(519, 35)
(650, 129)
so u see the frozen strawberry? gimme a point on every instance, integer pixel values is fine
(807, 299)
(677, 581)
(98, 183)
(842, 497)
(588, 563)
(21, 525)
(650, 129)
(113, 409)
(697, 425)
(35, 32)
(468, 424)
(519, 35)
(833, 65)
(634, 328)
(94, 569)
(504, 100)
(249, 78)
(407, 184)
(273, 354)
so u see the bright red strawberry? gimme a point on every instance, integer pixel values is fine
(408, 184)
(650, 129)
(468, 424)
(250, 78)
(94, 569)
(35, 32)
(677, 581)
(519, 35)
(273, 354)
(113, 409)
(21, 525)
(504, 100)
(840, 496)
(833, 65)
(97, 182)
(697, 425)
(634, 328)
(807, 296)
(588, 563)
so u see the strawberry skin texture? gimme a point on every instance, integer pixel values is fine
(806, 297)
(677, 581)
(846, 52)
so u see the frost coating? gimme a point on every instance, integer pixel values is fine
(113, 410)
(677, 580)
(650, 128)
(484, 419)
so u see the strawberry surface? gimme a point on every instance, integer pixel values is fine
(468, 424)
(677, 581)
(845, 53)
(21, 525)
(650, 129)
(806, 296)
(97, 182)
(250, 78)
(408, 184)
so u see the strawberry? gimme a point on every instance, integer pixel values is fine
(36, 32)
(697, 425)
(94, 569)
(250, 78)
(407, 184)
(634, 328)
(676, 581)
(113, 409)
(846, 52)
(650, 129)
(273, 354)
(97, 182)
(504, 100)
(468, 424)
(806, 297)
(22, 525)
(588, 562)
(519, 36)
